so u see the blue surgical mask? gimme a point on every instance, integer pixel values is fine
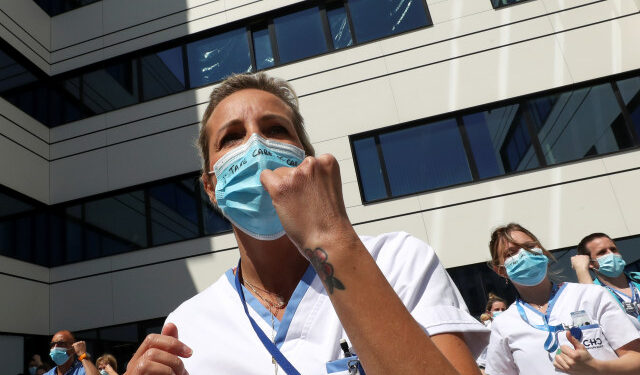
(104, 372)
(611, 265)
(32, 370)
(527, 268)
(59, 355)
(496, 313)
(239, 192)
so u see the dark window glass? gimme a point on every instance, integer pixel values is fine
(262, 49)
(110, 88)
(581, 121)
(370, 170)
(121, 217)
(381, 18)
(630, 92)
(214, 222)
(300, 35)
(174, 215)
(339, 25)
(501, 3)
(480, 139)
(12, 74)
(74, 240)
(162, 73)
(424, 157)
(10, 205)
(55, 7)
(214, 58)
(517, 150)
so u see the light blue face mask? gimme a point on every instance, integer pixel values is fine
(104, 372)
(240, 195)
(59, 355)
(527, 268)
(496, 313)
(611, 265)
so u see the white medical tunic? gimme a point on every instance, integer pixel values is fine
(518, 348)
(621, 297)
(214, 325)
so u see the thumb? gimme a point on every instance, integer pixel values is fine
(574, 341)
(170, 329)
(269, 180)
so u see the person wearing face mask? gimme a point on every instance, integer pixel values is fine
(308, 295)
(34, 363)
(495, 306)
(70, 356)
(107, 364)
(599, 253)
(554, 328)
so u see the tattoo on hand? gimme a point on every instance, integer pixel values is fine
(318, 258)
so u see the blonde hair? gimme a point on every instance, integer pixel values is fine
(484, 317)
(110, 359)
(503, 233)
(493, 299)
(259, 81)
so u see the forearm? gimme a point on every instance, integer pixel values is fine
(628, 364)
(584, 277)
(89, 367)
(384, 334)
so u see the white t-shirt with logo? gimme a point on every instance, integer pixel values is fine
(518, 348)
(214, 325)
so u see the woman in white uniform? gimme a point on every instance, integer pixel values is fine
(309, 295)
(562, 328)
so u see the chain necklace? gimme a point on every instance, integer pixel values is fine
(273, 309)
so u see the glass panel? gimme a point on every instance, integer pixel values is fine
(339, 25)
(482, 148)
(10, 205)
(174, 215)
(630, 92)
(213, 59)
(12, 74)
(262, 49)
(501, 3)
(380, 18)
(371, 176)
(121, 218)
(214, 222)
(581, 123)
(162, 73)
(300, 35)
(425, 157)
(124, 333)
(110, 88)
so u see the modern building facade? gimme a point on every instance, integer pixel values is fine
(448, 118)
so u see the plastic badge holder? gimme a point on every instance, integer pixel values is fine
(580, 318)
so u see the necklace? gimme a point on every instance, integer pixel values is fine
(273, 309)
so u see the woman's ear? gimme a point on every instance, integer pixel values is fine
(501, 271)
(209, 187)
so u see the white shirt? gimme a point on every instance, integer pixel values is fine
(624, 298)
(214, 325)
(518, 348)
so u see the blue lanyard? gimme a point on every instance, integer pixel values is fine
(551, 343)
(270, 346)
(635, 289)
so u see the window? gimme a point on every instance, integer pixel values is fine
(381, 18)
(55, 7)
(534, 132)
(112, 87)
(174, 211)
(502, 3)
(339, 25)
(262, 49)
(214, 58)
(162, 73)
(300, 35)
(12, 74)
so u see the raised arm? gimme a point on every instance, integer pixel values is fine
(386, 337)
(580, 264)
(80, 348)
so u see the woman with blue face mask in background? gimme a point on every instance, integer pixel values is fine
(554, 327)
(309, 295)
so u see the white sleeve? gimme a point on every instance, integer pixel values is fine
(615, 323)
(499, 359)
(424, 286)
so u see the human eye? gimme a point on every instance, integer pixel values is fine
(277, 130)
(229, 139)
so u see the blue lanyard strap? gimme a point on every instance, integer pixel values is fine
(633, 286)
(551, 343)
(270, 346)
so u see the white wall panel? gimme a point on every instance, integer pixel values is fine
(625, 185)
(156, 290)
(25, 306)
(152, 158)
(82, 27)
(12, 354)
(25, 26)
(15, 267)
(82, 303)
(23, 171)
(79, 176)
(560, 216)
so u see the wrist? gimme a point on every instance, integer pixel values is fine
(82, 357)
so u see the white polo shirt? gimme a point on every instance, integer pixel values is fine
(518, 348)
(214, 324)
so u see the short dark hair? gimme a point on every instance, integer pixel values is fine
(582, 246)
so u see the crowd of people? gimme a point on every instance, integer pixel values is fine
(310, 296)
